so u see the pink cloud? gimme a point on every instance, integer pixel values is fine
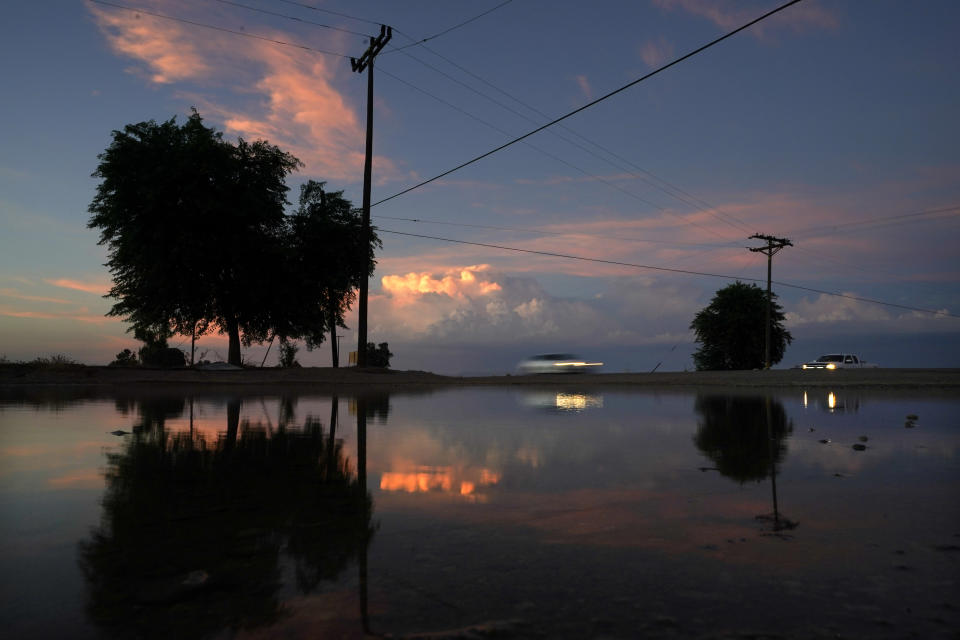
(288, 96)
(98, 288)
(170, 55)
(79, 316)
(585, 87)
(655, 53)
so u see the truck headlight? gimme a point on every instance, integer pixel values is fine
(831, 366)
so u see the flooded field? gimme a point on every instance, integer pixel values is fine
(481, 512)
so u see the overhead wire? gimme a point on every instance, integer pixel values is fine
(651, 179)
(289, 17)
(593, 102)
(671, 270)
(842, 227)
(553, 156)
(898, 219)
(454, 27)
(545, 232)
(304, 5)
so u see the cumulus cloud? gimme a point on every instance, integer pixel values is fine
(835, 312)
(287, 94)
(476, 305)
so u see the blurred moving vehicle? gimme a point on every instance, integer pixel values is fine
(839, 361)
(557, 363)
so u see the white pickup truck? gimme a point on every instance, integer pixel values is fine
(839, 361)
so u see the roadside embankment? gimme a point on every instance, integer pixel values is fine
(319, 378)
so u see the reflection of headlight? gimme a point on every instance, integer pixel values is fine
(831, 366)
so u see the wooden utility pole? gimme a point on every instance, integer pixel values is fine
(773, 245)
(359, 65)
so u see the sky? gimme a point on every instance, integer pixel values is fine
(832, 124)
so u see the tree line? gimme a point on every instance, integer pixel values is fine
(199, 239)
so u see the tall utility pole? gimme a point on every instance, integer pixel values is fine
(773, 245)
(365, 63)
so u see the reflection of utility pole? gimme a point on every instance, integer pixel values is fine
(362, 478)
(773, 245)
(365, 62)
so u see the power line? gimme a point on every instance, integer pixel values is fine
(294, 18)
(449, 29)
(530, 145)
(594, 102)
(215, 28)
(544, 232)
(595, 177)
(656, 182)
(329, 11)
(634, 265)
(884, 221)
(557, 158)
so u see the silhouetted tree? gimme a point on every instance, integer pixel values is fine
(730, 330)
(194, 225)
(378, 355)
(325, 248)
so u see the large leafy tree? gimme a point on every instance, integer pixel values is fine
(325, 251)
(730, 330)
(194, 225)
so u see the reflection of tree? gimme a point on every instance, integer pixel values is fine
(733, 433)
(194, 532)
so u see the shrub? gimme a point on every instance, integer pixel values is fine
(288, 354)
(378, 355)
(125, 358)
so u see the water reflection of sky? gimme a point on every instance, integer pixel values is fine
(525, 496)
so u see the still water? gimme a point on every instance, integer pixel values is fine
(481, 512)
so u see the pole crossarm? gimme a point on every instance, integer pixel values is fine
(774, 244)
(359, 65)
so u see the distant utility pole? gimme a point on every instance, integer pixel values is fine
(773, 245)
(365, 63)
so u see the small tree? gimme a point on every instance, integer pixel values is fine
(378, 355)
(288, 353)
(731, 333)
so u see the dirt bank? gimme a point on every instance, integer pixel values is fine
(352, 379)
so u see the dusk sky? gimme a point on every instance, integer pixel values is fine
(834, 124)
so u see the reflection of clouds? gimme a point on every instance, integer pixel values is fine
(465, 482)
